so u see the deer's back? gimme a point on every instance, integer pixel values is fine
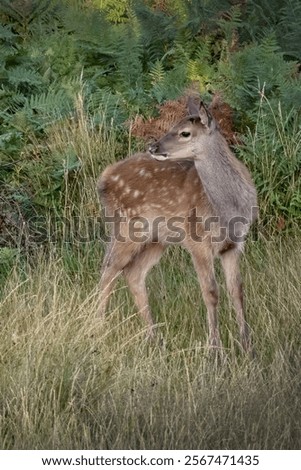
(142, 186)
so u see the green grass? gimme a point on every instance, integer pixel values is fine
(70, 380)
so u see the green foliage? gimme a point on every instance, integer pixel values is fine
(8, 258)
(115, 11)
(281, 16)
(289, 32)
(273, 154)
(246, 72)
(103, 62)
(202, 15)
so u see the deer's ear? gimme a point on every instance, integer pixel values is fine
(193, 105)
(205, 116)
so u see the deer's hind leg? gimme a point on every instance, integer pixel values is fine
(117, 256)
(230, 264)
(135, 273)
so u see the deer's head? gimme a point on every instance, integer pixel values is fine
(188, 139)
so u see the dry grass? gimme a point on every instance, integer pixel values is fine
(69, 380)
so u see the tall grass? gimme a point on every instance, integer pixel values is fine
(71, 380)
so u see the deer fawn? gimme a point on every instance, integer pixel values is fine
(188, 189)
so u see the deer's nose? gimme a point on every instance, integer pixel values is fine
(153, 148)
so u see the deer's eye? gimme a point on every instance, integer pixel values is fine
(185, 134)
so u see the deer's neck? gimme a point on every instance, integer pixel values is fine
(227, 184)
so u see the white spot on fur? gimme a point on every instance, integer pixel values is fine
(136, 193)
(115, 178)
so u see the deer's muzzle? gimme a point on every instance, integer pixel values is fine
(155, 152)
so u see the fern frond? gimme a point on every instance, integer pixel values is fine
(129, 59)
(22, 75)
(289, 32)
(106, 107)
(158, 30)
(230, 23)
(26, 11)
(7, 51)
(172, 85)
(157, 72)
(115, 11)
(6, 33)
(52, 102)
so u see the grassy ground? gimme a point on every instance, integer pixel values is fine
(70, 380)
